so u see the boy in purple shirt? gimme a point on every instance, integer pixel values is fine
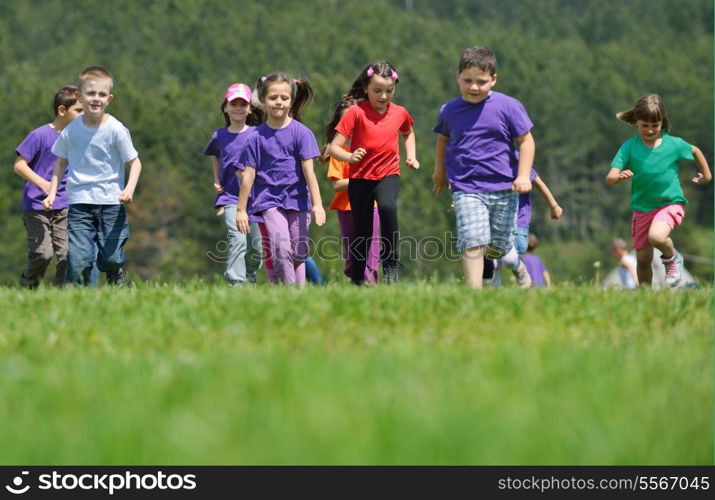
(46, 230)
(485, 152)
(537, 271)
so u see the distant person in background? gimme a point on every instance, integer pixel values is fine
(225, 148)
(339, 175)
(540, 276)
(373, 126)
(279, 176)
(484, 154)
(521, 228)
(95, 149)
(627, 263)
(650, 161)
(46, 230)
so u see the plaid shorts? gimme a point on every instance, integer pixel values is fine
(486, 219)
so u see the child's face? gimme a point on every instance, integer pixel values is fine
(475, 84)
(379, 92)
(69, 113)
(278, 100)
(95, 96)
(237, 110)
(649, 131)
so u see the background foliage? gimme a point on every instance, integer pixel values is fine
(573, 63)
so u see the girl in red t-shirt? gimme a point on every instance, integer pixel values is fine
(373, 126)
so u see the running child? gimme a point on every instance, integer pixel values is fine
(278, 175)
(650, 161)
(373, 126)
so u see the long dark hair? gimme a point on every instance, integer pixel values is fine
(330, 131)
(379, 68)
(300, 90)
(254, 118)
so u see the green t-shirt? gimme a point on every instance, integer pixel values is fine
(655, 182)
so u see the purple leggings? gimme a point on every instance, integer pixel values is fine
(288, 240)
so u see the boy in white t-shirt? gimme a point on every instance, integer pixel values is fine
(95, 149)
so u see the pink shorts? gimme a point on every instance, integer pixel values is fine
(640, 224)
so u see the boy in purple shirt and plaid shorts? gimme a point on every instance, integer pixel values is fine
(485, 152)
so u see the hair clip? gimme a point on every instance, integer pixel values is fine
(263, 79)
(370, 72)
(394, 75)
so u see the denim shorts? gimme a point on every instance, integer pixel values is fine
(486, 219)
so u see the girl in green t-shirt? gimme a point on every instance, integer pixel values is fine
(650, 161)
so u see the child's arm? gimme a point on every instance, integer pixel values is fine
(554, 207)
(704, 176)
(439, 176)
(135, 168)
(547, 279)
(340, 185)
(57, 174)
(336, 150)
(527, 150)
(616, 175)
(216, 167)
(249, 175)
(22, 168)
(411, 149)
(314, 190)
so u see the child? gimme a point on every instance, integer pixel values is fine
(373, 125)
(650, 161)
(626, 264)
(225, 148)
(95, 149)
(339, 175)
(540, 277)
(484, 153)
(279, 176)
(46, 231)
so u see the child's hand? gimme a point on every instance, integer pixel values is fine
(701, 179)
(242, 221)
(413, 163)
(440, 181)
(556, 212)
(625, 174)
(47, 203)
(452, 208)
(357, 155)
(44, 186)
(318, 215)
(220, 211)
(126, 197)
(218, 187)
(521, 185)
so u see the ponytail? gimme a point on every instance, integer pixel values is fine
(300, 90)
(649, 108)
(330, 131)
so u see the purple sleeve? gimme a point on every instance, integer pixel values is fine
(308, 145)
(250, 155)
(29, 147)
(519, 121)
(441, 127)
(212, 146)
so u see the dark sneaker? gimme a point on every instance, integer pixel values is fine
(673, 269)
(25, 282)
(391, 275)
(488, 272)
(116, 278)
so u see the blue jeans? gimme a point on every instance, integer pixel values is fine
(245, 251)
(97, 234)
(521, 239)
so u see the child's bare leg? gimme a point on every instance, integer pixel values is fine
(644, 256)
(473, 263)
(659, 237)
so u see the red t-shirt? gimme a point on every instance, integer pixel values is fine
(378, 134)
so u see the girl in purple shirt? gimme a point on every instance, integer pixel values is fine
(279, 177)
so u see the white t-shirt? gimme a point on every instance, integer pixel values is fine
(96, 158)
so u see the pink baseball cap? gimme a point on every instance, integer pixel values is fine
(238, 91)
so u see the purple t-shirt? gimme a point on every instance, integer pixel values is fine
(535, 268)
(228, 146)
(523, 217)
(276, 154)
(480, 156)
(37, 150)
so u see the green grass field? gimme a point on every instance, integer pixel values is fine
(415, 374)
